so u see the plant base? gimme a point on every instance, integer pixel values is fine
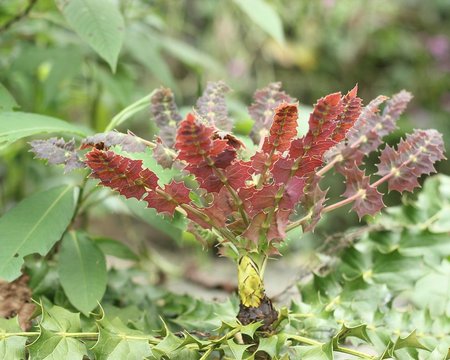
(265, 313)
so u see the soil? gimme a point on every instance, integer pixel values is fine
(15, 300)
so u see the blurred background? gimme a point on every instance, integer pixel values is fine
(312, 47)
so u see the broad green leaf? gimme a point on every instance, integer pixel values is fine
(188, 54)
(33, 226)
(17, 125)
(165, 176)
(115, 248)
(99, 23)
(52, 343)
(263, 15)
(170, 227)
(150, 56)
(117, 342)
(11, 347)
(7, 102)
(82, 271)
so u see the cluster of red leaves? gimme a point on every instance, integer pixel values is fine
(254, 201)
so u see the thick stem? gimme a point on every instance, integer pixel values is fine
(254, 304)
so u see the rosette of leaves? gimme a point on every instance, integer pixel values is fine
(251, 204)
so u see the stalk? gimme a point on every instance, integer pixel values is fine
(254, 305)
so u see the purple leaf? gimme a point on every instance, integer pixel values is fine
(58, 152)
(211, 106)
(128, 142)
(166, 115)
(263, 108)
(414, 157)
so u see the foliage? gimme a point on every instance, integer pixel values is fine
(261, 194)
(380, 289)
(370, 294)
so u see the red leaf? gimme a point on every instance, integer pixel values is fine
(368, 200)
(367, 133)
(258, 232)
(204, 152)
(312, 202)
(175, 194)
(261, 161)
(322, 119)
(293, 191)
(283, 129)
(282, 170)
(120, 173)
(261, 199)
(237, 174)
(194, 141)
(414, 157)
(350, 113)
(262, 110)
(160, 203)
(213, 212)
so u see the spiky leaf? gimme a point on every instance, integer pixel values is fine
(103, 141)
(414, 157)
(212, 108)
(120, 173)
(367, 199)
(52, 342)
(58, 152)
(165, 112)
(262, 109)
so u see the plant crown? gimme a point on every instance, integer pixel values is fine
(251, 202)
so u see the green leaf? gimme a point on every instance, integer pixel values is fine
(99, 23)
(171, 227)
(188, 54)
(168, 346)
(251, 328)
(117, 342)
(409, 341)
(17, 125)
(52, 343)
(7, 102)
(205, 315)
(432, 291)
(238, 350)
(359, 331)
(269, 345)
(82, 271)
(115, 248)
(11, 347)
(150, 56)
(316, 352)
(165, 176)
(263, 15)
(33, 226)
